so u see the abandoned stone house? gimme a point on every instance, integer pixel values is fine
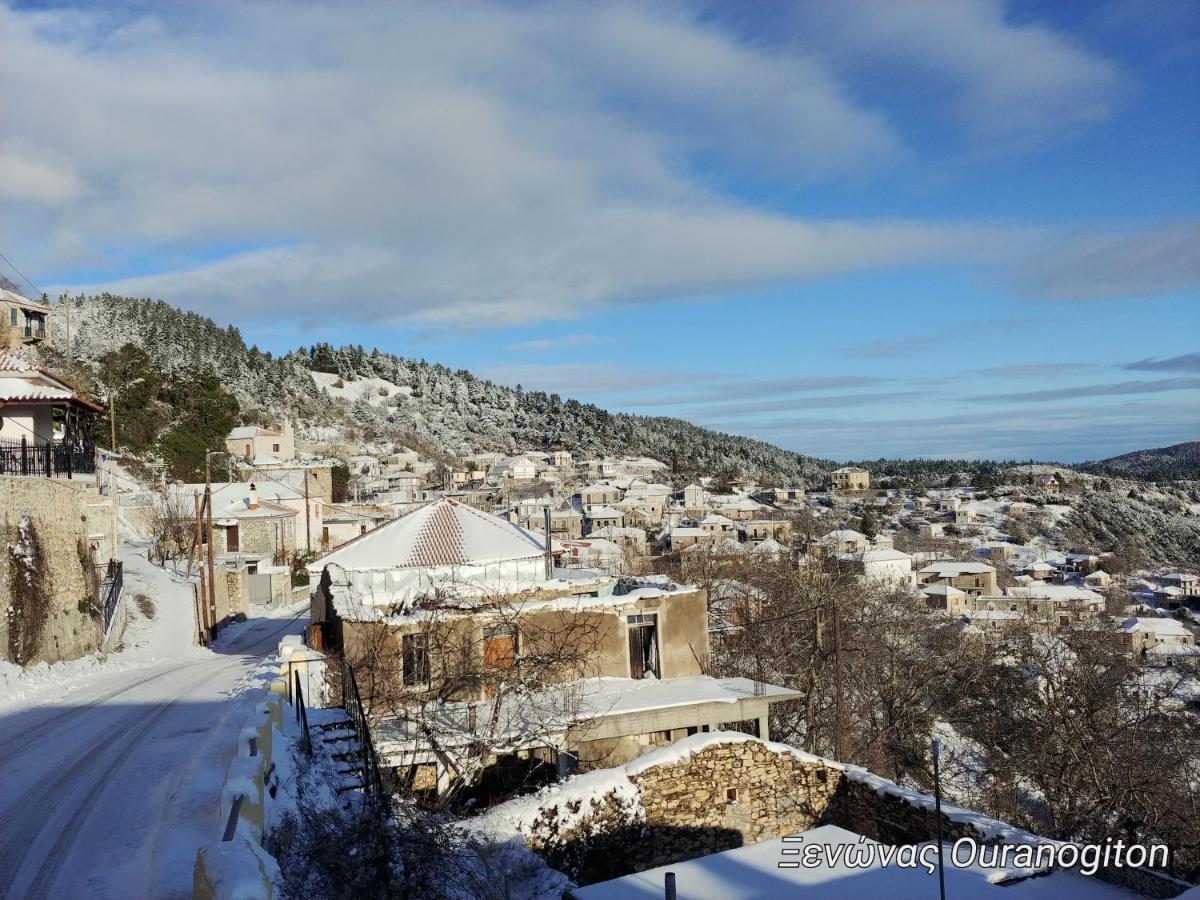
(453, 603)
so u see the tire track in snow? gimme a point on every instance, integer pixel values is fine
(67, 716)
(114, 759)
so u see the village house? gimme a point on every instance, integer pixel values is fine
(1048, 606)
(516, 468)
(23, 321)
(402, 459)
(1039, 571)
(695, 498)
(850, 478)
(1187, 583)
(403, 488)
(599, 494)
(881, 565)
(628, 538)
(1097, 579)
(683, 536)
(262, 446)
(450, 576)
(602, 517)
(1157, 638)
(767, 529)
(565, 524)
(717, 525)
(39, 409)
(842, 541)
(1049, 484)
(342, 524)
(971, 577)
(945, 598)
(784, 495)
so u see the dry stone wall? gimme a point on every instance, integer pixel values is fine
(715, 792)
(48, 586)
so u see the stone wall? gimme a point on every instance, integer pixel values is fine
(51, 603)
(717, 791)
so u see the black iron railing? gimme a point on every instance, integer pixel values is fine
(54, 459)
(301, 716)
(112, 582)
(352, 704)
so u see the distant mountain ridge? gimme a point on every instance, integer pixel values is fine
(452, 409)
(1177, 462)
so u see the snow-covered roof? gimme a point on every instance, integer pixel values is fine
(443, 532)
(1161, 627)
(769, 546)
(842, 534)
(604, 512)
(23, 379)
(688, 531)
(21, 300)
(716, 519)
(242, 432)
(754, 871)
(883, 554)
(848, 470)
(943, 590)
(1061, 592)
(951, 568)
(1098, 575)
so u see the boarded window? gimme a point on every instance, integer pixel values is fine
(499, 647)
(415, 650)
(643, 646)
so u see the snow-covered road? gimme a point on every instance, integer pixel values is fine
(110, 771)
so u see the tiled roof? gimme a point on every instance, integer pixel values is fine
(443, 532)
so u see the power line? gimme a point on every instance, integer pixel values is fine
(22, 275)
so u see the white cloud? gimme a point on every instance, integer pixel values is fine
(1133, 264)
(558, 342)
(1003, 79)
(469, 166)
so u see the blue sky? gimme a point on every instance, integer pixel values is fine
(852, 229)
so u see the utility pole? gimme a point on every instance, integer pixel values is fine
(212, 584)
(112, 419)
(937, 812)
(839, 738)
(307, 523)
(202, 606)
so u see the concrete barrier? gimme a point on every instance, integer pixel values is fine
(239, 868)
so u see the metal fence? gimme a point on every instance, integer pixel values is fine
(112, 582)
(50, 460)
(353, 705)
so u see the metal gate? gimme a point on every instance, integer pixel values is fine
(259, 589)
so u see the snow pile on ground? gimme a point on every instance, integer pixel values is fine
(167, 637)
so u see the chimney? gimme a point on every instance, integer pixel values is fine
(252, 500)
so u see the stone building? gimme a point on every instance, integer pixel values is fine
(453, 603)
(850, 478)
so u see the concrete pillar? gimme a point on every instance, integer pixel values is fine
(764, 728)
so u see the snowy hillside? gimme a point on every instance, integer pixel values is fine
(1161, 464)
(379, 396)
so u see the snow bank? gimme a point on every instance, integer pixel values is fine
(235, 870)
